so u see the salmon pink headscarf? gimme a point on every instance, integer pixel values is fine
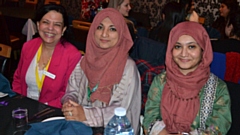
(180, 101)
(104, 67)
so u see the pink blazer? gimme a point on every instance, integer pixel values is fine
(63, 61)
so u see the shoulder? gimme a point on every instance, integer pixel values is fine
(32, 44)
(221, 87)
(219, 82)
(70, 47)
(78, 72)
(130, 62)
(130, 65)
(130, 68)
(161, 78)
(69, 50)
(33, 41)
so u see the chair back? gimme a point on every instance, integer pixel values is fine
(5, 53)
(31, 1)
(78, 23)
(226, 66)
(52, 2)
(218, 65)
(201, 20)
(31, 4)
(80, 31)
(232, 73)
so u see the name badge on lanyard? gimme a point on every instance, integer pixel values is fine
(48, 74)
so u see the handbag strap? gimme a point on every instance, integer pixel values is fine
(207, 102)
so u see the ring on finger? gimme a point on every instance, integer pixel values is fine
(70, 113)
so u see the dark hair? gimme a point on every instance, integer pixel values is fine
(185, 3)
(234, 19)
(60, 9)
(232, 5)
(174, 14)
(221, 21)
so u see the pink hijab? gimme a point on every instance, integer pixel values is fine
(104, 67)
(180, 101)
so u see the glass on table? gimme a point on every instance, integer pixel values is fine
(20, 121)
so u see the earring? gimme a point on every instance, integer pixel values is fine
(62, 34)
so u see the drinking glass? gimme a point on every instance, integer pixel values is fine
(20, 120)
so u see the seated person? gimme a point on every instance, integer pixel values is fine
(187, 97)
(227, 7)
(124, 7)
(46, 62)
(189, 7)
(172, 14)
(106, 77)
(232, 30)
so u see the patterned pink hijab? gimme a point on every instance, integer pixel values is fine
(180, 101)
(104, 67)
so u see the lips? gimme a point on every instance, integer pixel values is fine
(49, 34)
(184, 60)
(103, 40)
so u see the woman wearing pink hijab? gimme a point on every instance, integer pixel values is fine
(106, 77)
(187, 98)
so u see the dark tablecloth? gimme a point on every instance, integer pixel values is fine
(6, 126)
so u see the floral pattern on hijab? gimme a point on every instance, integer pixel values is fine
(180, 101)
(104, 67)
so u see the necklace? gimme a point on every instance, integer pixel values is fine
(44, 63)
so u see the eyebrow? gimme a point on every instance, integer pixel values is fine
(50, 21)
(109, 26)
(187, 43)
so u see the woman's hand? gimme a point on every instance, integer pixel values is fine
(73, 111)
(163, 132)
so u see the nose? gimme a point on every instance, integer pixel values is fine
(184, 52)
(104, 32)
(50, 26)
(220, 8)
(129, 7)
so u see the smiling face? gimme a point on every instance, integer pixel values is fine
(106, 35)
(124, 8)
(187, 54)
(224, 10)
(51, 27)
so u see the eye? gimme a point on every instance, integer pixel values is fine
(58, 24)
(99, 27)
(192, 46)
(113, 29)
(177, 46)
(45, 22)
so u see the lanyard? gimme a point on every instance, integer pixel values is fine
(40, 82)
